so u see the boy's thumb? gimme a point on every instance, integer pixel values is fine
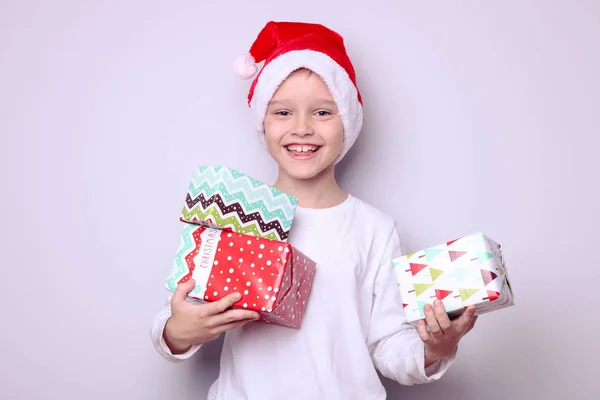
(183, 289)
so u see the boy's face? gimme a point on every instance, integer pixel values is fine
(303, 130)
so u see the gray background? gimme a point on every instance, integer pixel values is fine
(480, 116)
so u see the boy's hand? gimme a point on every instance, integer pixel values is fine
(192, 324)
(442, 339)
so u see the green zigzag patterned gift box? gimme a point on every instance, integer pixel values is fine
(462, 272)
(223, 197)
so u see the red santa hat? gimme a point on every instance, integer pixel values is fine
(287, 46)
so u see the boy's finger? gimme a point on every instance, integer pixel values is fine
(422, 330)
(233, 325)
(182, 290)
(231, 316)
(472, 324)
(441, 315)
(434, 327)
(222, 305)
(466, 319)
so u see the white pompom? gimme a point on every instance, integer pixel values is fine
(244, 66)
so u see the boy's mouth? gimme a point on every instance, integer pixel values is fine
(302, 148)
(302, 151)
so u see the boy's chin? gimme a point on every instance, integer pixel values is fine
(303, 175)
(305, 172)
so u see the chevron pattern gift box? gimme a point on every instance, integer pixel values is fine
(469, 270)
(274, 278)
(223, 197)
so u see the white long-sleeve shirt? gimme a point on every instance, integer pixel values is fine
(354, 321)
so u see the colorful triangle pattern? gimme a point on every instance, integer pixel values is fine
(464, 271)
(466, 293)
(451, 242)
(430, 254)
(442, 294)
(488, 276)
(492, 295)
(420, 288)
(483, 256)
(454, 255)
(421, 308)
(435, 273)
(416, 268)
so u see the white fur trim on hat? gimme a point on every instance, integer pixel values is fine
(336, 78)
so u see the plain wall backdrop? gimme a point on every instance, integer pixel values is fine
(480, 116)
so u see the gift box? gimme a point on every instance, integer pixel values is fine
(467, 271)
(274, 278)
(223, 197)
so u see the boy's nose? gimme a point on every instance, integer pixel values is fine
(303, 128)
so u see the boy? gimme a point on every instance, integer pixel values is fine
(309, 113)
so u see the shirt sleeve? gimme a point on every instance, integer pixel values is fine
(156, 334)
(395, 346)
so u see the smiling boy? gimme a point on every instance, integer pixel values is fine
(309, 113)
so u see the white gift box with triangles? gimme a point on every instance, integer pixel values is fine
(461, 272)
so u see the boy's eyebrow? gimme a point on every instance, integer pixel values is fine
(329, 102)
(320, 101)
(277, 102)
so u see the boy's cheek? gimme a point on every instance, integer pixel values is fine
(272, 138)
(271, 129)
(273, 146)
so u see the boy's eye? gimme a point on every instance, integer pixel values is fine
(323, 113)
(283, 113)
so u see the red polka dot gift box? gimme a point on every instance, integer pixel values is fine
(223, 197)
(274, 278)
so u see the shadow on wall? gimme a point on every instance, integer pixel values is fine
(498, 370)
(374, 163)
(454, 389)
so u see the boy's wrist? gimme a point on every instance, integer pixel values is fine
(177, 346)
(430, 359)
(433, 357)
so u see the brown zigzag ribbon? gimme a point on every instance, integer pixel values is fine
(235, 208)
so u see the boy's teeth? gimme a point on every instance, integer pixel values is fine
(302, 149)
